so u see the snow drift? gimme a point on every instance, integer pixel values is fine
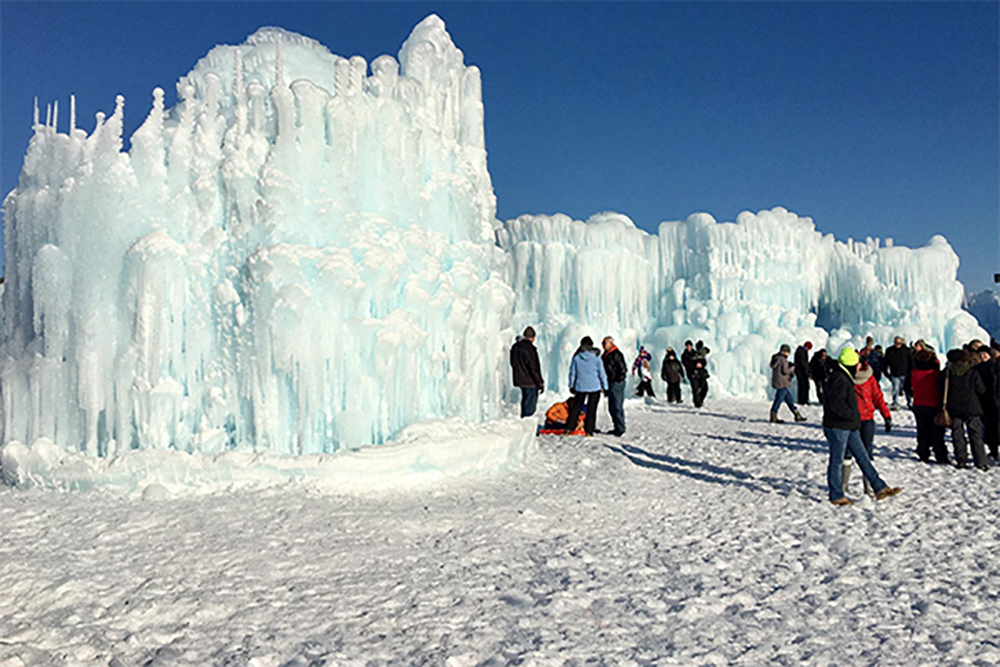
(302, 256)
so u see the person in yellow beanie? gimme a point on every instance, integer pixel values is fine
(842, 428)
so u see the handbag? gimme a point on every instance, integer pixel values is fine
(943, 419)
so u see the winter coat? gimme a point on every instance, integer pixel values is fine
(898, 361)
(698, 374)
(840, 401)
(688, 359)
(924, 380)
(802, 362)
(965, 386)
(781, 371)
(877, 363)
(614, 365)
(586, 372)
(869, 395)
(643, 356)
(988, 372)
(672, 371)
(524, 361)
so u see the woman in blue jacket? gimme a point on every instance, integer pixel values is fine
(587, 380)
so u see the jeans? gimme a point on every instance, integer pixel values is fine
(897, 388)
(840, 440)
(930, 436)
(529, 401)
(867, 433)
(616, 405)
(783, 395)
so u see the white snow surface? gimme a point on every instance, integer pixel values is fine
(302, 257)
(697, 538)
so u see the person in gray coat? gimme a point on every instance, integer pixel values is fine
(781, 380)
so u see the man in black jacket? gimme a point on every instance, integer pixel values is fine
(842, 428)
(802, 371)
(527, 371)
(617, 371)
(898, 365)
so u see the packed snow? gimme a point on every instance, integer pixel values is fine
(302, 257)
(700, 537)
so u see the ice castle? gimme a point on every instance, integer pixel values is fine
(302, 256)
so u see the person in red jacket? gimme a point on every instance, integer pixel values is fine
(870, 399)
(926, 405)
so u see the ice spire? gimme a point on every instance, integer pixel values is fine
(34, 123)
(72, 114)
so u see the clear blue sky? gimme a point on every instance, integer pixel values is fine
(875, 119)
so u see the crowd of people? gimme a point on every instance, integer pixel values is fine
(960, 394)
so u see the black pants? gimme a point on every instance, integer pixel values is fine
(802, 382)
(699, 389)
(819, 390)
(930, 436)
(673, 392)
(958, 440)
(576, 402)
(645, 389)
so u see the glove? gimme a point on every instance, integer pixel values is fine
(888, 424)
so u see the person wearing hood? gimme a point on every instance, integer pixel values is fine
(781, 382)
(698, 377)
(926, 406)
(672, 373)
(961, 386)
(587, 379)
(870, 399)
(527, 371)
(842, 428)
(616, 371)
(802, 371)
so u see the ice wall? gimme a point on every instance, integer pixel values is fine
(744, 288)
(298, 257)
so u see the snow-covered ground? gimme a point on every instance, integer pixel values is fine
(698, 538)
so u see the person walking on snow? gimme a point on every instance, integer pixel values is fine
(898, 364)
(842, 428)
(643, 355)
(688, 358)
(926, 405)
(817, 371)
(587, 380)
(698, 377)
(527, 371)
(615, 369)
(645, 380)
(870, 398)
(672, 373)
(802, 372)
(781, 381)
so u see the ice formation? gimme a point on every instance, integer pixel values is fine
(302, 257)
(985, 306)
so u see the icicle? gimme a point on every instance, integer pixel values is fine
(34, 123)
(48, 115)
(72, 114)
(55, 115)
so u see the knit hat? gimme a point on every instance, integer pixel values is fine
(808, 345)
(848, 357)
(529, 332)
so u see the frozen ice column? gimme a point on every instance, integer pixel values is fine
(297, 257)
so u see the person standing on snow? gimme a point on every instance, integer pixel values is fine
(898, 363)
(527, 371)
(870, 398)
(987, 369)
(698, 377)
(926, 406)
(688, 357)
(818, 371)
(643, 355)
(781, 381)
(961, 386)
(645, 380)
(587, 380)
(672, 373)
(842, 428)
(802, 371)
(615, 369)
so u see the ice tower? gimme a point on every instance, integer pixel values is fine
(297, 257)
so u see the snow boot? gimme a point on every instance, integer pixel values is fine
(799, 417)
(868, 489)
(843, 502)
(775, 420)
(845, 475)
(887, 492)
